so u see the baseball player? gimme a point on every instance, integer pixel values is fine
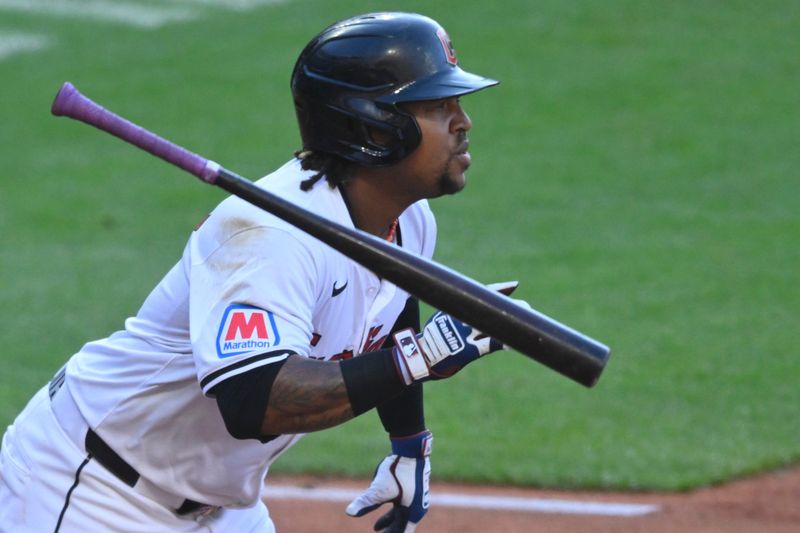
(260, 333)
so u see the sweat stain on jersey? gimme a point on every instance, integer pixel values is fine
(245, 328)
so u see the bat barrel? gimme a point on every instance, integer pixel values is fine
(557, 346)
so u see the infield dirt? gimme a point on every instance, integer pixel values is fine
(767, 503)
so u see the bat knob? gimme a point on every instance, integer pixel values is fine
(63, 99)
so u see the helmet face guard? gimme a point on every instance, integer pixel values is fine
(348, 82)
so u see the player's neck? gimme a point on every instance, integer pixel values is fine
(372, 208)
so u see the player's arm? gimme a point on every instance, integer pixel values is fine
(312, 396)
(298, 395)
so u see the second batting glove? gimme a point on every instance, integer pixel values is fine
(402, 478)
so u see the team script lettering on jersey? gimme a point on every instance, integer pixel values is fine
(372, 343)
(245, 329)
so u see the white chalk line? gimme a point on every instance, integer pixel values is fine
(496, 503)
(16, 43)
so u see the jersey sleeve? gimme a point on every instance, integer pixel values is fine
(251, 303)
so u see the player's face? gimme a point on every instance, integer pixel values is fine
(438, 164)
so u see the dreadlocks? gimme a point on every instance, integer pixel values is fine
(333, 168)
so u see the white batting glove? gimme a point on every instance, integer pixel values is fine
(445, 346)
(402, 479)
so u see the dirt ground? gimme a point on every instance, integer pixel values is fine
(768, 503)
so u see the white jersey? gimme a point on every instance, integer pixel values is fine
(249, 290)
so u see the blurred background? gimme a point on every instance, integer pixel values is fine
(635, 170)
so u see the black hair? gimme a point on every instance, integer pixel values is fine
(333, 168)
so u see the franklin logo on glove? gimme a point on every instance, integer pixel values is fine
(449, 333)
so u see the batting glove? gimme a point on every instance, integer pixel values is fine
(445, 346)
(402, 479)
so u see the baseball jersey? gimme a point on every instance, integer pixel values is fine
(249, 290)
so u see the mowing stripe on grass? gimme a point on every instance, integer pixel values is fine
(235, 5)
(470, 501)
(15, 43)
(127, 13)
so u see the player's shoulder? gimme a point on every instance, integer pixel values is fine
(237, 221)
(284, 183)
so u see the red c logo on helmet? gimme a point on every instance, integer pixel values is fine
(447, 45)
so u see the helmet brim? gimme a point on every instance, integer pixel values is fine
(454, 82)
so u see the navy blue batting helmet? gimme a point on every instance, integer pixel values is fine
(349, 80)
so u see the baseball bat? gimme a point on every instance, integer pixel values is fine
(529, 332)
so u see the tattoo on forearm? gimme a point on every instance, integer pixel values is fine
(306, 396)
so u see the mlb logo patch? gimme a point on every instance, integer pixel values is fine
(245, 329)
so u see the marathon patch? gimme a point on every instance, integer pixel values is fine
(245, 329)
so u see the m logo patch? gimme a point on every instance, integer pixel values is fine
(244, 329)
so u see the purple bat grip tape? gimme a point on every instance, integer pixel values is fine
(71, 103)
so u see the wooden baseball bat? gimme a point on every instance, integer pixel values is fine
(529, 332)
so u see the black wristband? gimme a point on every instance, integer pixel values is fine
(371, 379)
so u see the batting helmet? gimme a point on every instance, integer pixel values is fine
(349, 79)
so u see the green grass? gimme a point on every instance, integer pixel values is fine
(635, 170)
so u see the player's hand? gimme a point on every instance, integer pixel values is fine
(401, 479)
(445, 346)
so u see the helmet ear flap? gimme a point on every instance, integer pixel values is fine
(386, 133)
(370, 134)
